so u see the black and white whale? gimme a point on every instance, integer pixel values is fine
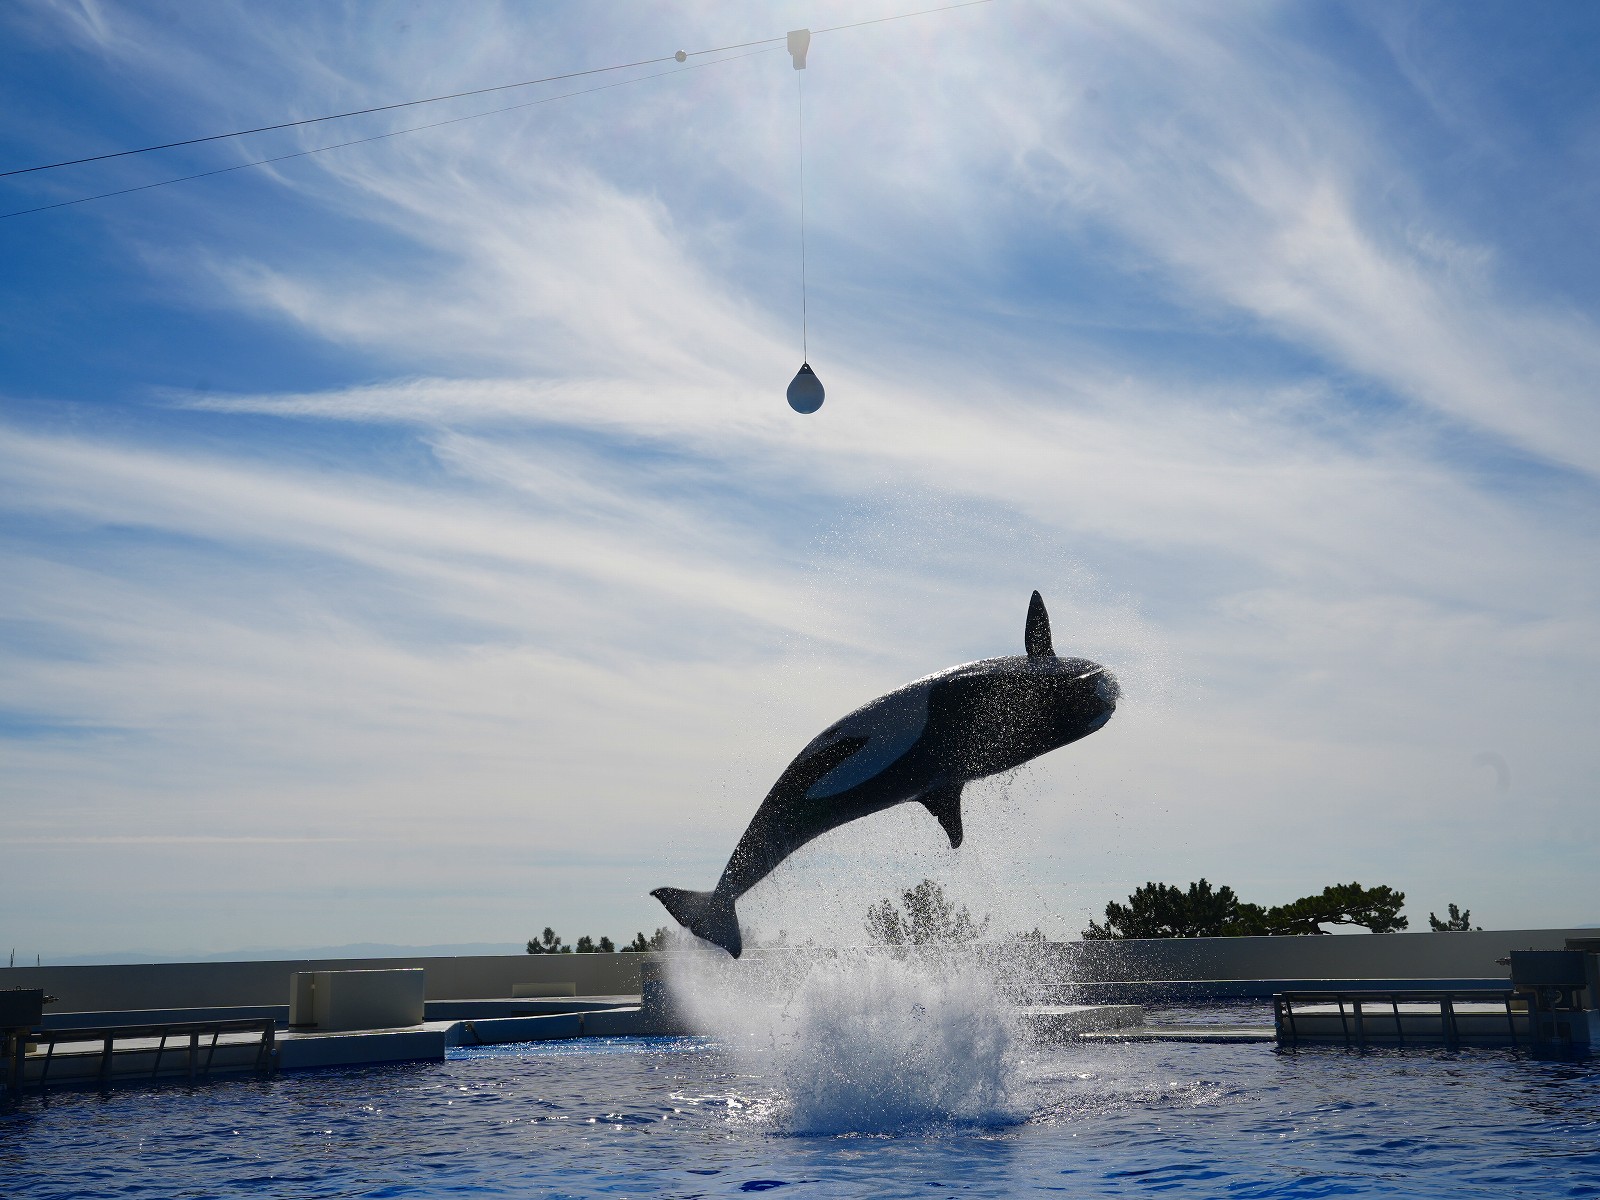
(923, 742)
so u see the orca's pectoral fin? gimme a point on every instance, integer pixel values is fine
(944, 802)
(1036, 633)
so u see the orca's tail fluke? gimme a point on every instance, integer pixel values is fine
(707, 915)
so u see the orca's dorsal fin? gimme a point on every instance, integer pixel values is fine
(943, 800)
(1036, 634)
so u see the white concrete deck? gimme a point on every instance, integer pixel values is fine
(1062, 1022)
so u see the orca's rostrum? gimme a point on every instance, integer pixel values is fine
(923, 742)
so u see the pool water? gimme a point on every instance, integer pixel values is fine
(684, 1117)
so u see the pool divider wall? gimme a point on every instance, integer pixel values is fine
(231, 984)
(1447, 956)
(367, 999)
(1205, 967)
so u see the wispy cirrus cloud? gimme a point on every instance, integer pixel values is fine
(550, 565)
(1245, 168)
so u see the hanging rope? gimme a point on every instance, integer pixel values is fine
(805, 389)
(800, 96)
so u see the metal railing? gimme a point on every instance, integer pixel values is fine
(1380, 1008)
(200, 1053)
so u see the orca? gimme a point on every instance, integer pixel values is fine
(921, 743)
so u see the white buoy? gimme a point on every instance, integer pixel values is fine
(805, 390)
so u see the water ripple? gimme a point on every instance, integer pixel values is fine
(683, 1117)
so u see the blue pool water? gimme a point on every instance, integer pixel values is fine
(686, 1117)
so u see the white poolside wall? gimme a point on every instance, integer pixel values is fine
(1353, 956)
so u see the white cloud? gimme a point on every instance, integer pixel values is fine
(553, 654)
(1269, 189)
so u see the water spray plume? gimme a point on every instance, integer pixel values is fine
(863, 1041)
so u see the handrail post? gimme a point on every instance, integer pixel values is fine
(269, 1030)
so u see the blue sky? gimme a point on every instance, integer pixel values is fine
(410, 543)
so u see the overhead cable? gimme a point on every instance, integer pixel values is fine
(357, 112)
(680, 56)
(378, 137)
(898, 17)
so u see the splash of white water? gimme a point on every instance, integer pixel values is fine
(861, 1041)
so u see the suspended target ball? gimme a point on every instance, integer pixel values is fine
(805, 390)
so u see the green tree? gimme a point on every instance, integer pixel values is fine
(924, 918)
(1459, 921)
(548, 943)
(587, 945)
(1162, 910)
(1376, 908)
(640, 943)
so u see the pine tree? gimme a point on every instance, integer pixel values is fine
(1459, 921)
(1162, 910)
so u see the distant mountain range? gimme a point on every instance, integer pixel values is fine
(269, 953)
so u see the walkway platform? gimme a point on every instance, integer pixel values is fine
(1064, 1022)
(1203, 991)
(1217, 1034)
(133, 1053)
(76, 1053)
(1403, 1017)
(81, 1052)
